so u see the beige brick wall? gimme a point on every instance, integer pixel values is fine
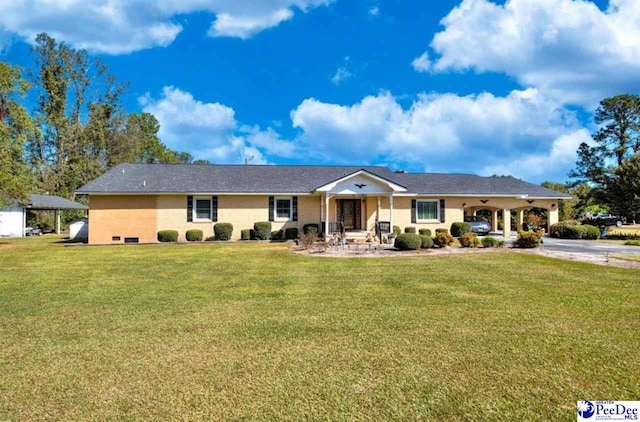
(240, 210)
(124, 216)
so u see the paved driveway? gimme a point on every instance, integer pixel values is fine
(587, 247)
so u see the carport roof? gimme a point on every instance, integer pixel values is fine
(50, 202)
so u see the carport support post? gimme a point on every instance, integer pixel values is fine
(506, 223)
(57, 221)
(494, 221)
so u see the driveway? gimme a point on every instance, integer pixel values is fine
(587, 247)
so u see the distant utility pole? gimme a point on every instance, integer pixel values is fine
(247, 159)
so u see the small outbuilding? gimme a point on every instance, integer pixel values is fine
(13, 218)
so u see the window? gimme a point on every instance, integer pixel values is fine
(202, 209)
(427, 211)
(282, 209)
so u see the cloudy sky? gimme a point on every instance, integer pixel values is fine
(474, 86)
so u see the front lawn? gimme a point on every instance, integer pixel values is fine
(253, 331)
(628, 257)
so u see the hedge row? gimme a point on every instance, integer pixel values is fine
(571, 229)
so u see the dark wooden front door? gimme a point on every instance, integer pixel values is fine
(349, 213)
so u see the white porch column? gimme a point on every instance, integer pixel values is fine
(506, 223)
(57, 221)
(322, 208)
(520, 219)
(378, 210)
(494, 220)
(391, 211)
(326, 214)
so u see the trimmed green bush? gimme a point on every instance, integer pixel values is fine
(459, 228)
(291, 233)
(559, 230)
(311, 228)
(574, 232)
(591, 232)
(490, 242)
(469, 240)
(397, 230)
(168, 236)
(427, 241)
(223, 231)
(277, 235)
(262, 230)
(528, 239)
(408, 242)
(194, 235)
(410, 230)
(425, 232)
(246, 234)
(442, 239)
(442, 231)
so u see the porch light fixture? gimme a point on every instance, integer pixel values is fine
(553, 205)
(464, 204)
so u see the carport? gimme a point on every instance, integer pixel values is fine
(13, 223)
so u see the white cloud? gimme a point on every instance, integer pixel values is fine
(123, 26)
(210, 131)
(444, 132)
(569, 49)
(422, 63)
(373, 11)
(541, 165)
(341, 75)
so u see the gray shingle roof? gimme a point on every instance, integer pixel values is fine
(205, 178)
(50, 202)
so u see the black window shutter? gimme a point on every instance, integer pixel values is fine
(295, 208)
(271, 206)
(214, 208)
(189, 208)
(442, 211)
(414, 205)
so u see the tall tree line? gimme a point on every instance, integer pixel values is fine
(75, 130)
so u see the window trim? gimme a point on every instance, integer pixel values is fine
(430, 220)
(275, 208)
(194, 211)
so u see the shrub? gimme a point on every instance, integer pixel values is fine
(459, 228)
(490, 242)
(311, 228)
(277, 235)
(223, 231)
(262, 230)
(559, 229)
(442, 231)
(246, 234)
(194, 235)
(623, 235)
(442, 239)
(408, 242)
(469, 240)
(168, 236)
(425, 232)
(632, 243)
(574, 232)
(427, 241)
(397, 230)
(291, 233)
(308, 239)
(528, 240)
(591, 232)
(410, 230)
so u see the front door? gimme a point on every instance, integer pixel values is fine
(349, 213)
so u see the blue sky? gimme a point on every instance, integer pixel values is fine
(474, 86)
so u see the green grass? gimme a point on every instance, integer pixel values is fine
(253, 331)
(628, 257)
